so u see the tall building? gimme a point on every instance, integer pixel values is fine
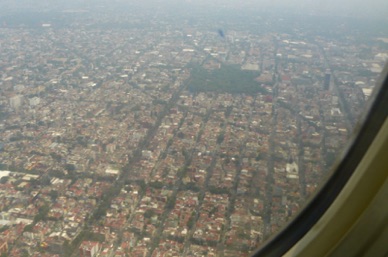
(34, 101)
(326, 83)
(89, 249)
(16, 102)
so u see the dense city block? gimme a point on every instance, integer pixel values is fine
(140, 135)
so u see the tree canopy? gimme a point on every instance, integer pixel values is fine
(227, 79)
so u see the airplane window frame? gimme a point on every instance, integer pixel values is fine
(364, 133)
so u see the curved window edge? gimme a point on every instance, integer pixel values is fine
(371, 122)
(357, 217)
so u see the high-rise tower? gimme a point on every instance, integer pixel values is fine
(326, 83)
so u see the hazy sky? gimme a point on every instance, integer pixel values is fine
(346, 6)
(371, 8)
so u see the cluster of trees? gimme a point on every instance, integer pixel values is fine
(219, 190)
(228, 78)
(192, 220)
(190, 186)
(69, 247)
(42, 215)
(106, 199)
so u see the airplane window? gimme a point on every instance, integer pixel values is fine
(174, 128)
